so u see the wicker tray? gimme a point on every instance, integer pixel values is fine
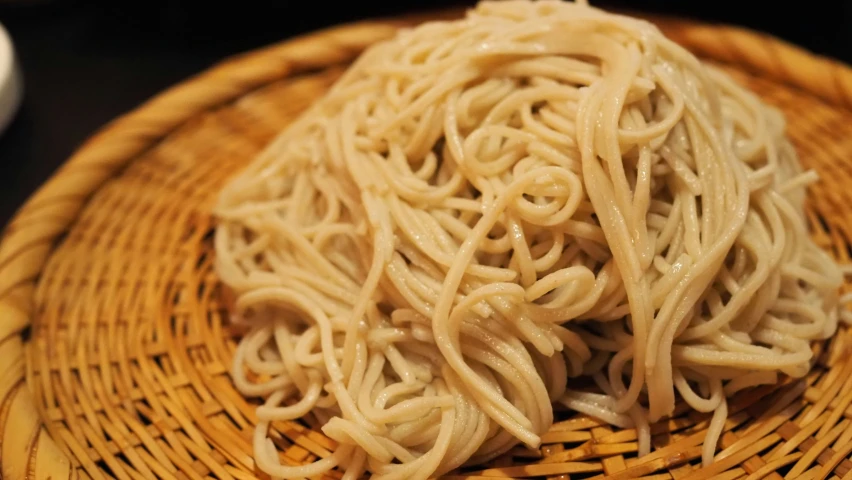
(114, 344)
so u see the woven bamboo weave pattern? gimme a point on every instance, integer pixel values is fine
(115, 347)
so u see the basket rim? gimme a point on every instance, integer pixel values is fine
(31, 235)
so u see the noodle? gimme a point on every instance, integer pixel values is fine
(480, 209)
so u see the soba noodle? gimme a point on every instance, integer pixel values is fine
(480, 210)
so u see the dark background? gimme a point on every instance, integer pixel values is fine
(86, 62)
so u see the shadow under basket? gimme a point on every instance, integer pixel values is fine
(115, 348)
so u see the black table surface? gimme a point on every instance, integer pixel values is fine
(86, 62)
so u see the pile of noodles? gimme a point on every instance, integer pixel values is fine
(481, 210)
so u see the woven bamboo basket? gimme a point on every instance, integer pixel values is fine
(114, 342)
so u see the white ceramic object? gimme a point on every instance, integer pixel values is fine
(11, 82)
